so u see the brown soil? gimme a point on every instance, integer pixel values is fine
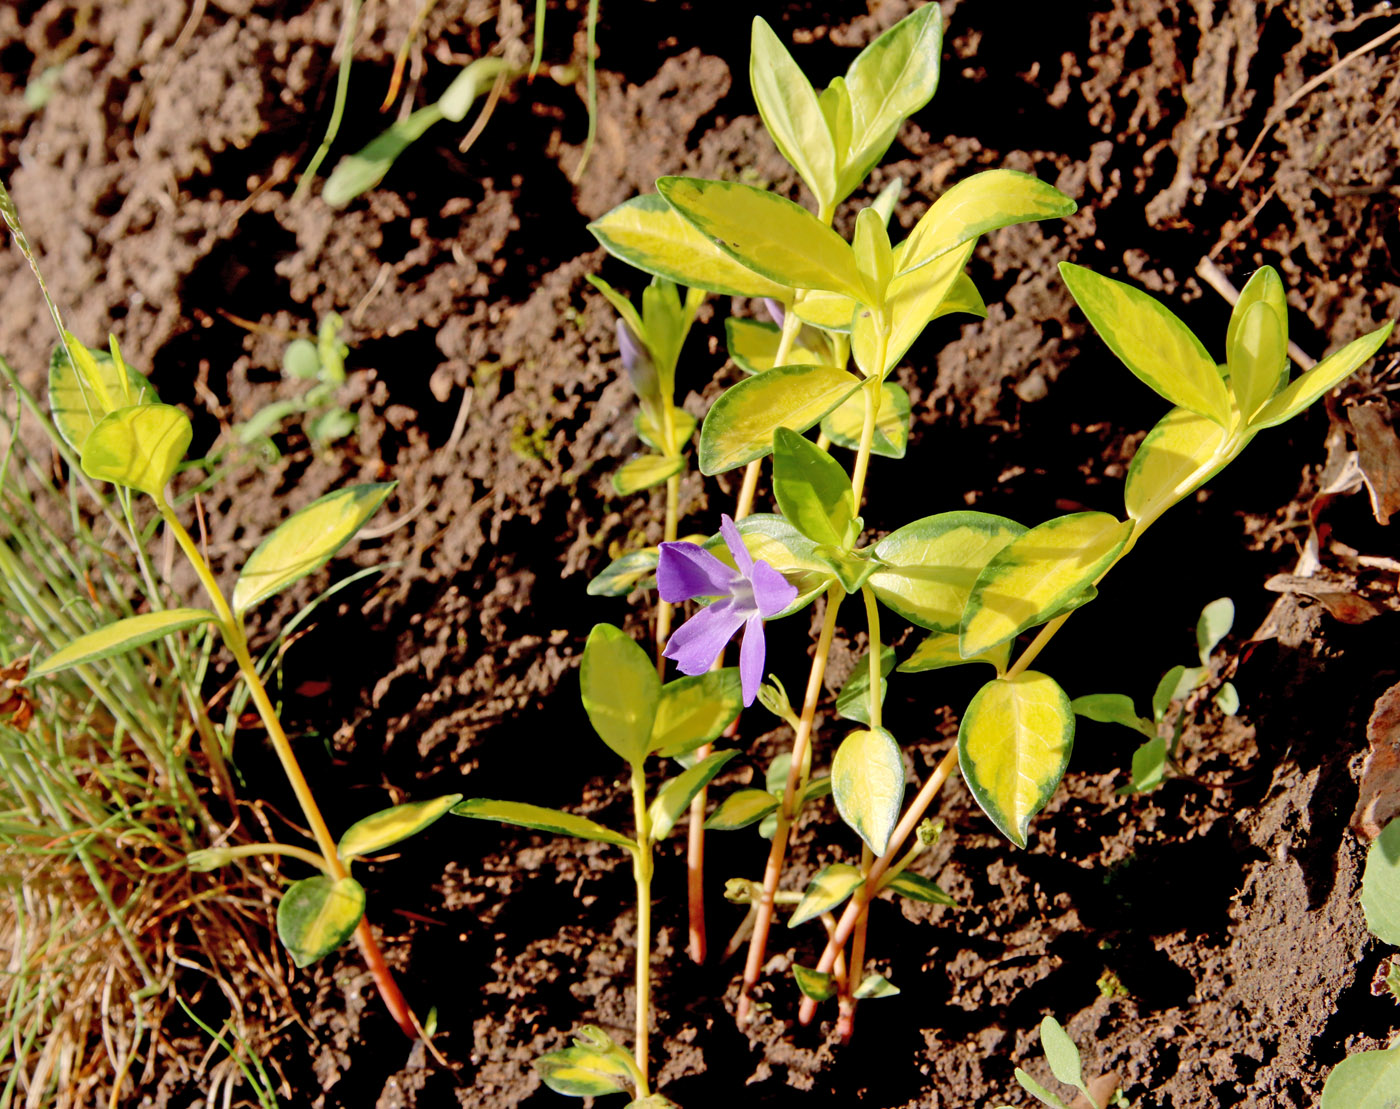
(155, 184)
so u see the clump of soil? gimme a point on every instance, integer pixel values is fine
(1203, 941)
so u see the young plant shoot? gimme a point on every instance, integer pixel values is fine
(636, 716)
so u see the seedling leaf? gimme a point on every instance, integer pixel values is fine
(742, 808)
(791, 113)
(874, 987)
(1179, 455)
(1037, 1091)
(843, 426)
(940, 649)
(644, 471)
(584, 1072)
(673, 799)
(625, 573)
(317, 915)
(753, 345)
(1367, 1080)
(541, 819)
(1112, 708)
(1216, 620)
(125, 635)
(1013, 746)
(853, 702)
(1321, 379)
(813, 983)
(389, 826)
(1061, 1054)
(305, 542)
(918, 888)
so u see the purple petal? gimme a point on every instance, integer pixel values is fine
(771, 591)
(735, 542)
(697, 643)
(775, 310)
(751, 656)
(686, 570)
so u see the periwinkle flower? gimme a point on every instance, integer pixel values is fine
(745, 598)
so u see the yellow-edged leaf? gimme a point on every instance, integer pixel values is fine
(1038, 575)
(305, 542)
(940, 649)
(767, 233)
(620, 691)
(76, 405)
(981, 203)
(1321, 379)
(1158, 348)
(933, 563)
(867, 783)
(683, 422)
(754, 346)
(829, 311)
(125, 635)
(844, 425)
(644, 471)
(828, 889)
(673, 799)
(695, 710)
(791, 113)
(874, 255)
(625, 573)
(740, 809)
(772, 539)
(1178, 456)
(740, 424)
(140, 447)
(1256, 342)
(540, 819)
(389, 826)
(913, 300)
(317, 915)
(581, 1071)
(649, 234)
(1013, 746)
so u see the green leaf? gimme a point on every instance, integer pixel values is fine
(930, 566)
(791, 113)
(813, 983)
(867, 781)
(811, 489)
(1367, 1080)
(140, 447)
(673, 799)
(305, 542)
(1321, 379)
(301, 360)
(1227, 699)
(1037, 575)
(889, 81)
(541, 819)
(1179, 455)
(1149, 767)
(918, 888)
(644, 471)
(1112, 708)
(625, 573)
(1149, 339)
(1380, 885)
(828, 311)
(1176, 683)
(475, 80)
(358, 173)
(828, 889)
(649, 234)
(875, 986)
(620, 691)
(754, 346)
(1014, 745)
(1061, 1054)
(1037, 1091)
(874, 255)
(844, 425)
(981, 203)
(693, 711)
(653, 436)
(125, 635)
(912, 301)
(940, 649)
(853, 702)
(623, 307)
(584, 1072)
(1256, 342)
(742, 808)
(767, 233)
(740, 424)
(1216, 620)
(78, 400)
(389, 826)
(317, 915)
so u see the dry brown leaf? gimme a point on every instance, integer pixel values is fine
(1379, 799)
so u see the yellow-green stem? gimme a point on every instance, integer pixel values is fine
(763, 919)
(641, 870)
(249, 850)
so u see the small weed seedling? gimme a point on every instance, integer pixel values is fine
(1371, 1079)
(321, 361)
(1153, 759)
(1067, 1067)
(636, 716)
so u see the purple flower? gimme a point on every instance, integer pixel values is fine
(747, 597)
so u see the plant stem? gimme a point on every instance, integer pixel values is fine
(351, 17)
(248, 850)
(641, 870)
(237, 642)
(763, 919)
(858, 904)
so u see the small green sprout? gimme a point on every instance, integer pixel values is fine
(1067, 1067)
(323, 362)
(1154, 759)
